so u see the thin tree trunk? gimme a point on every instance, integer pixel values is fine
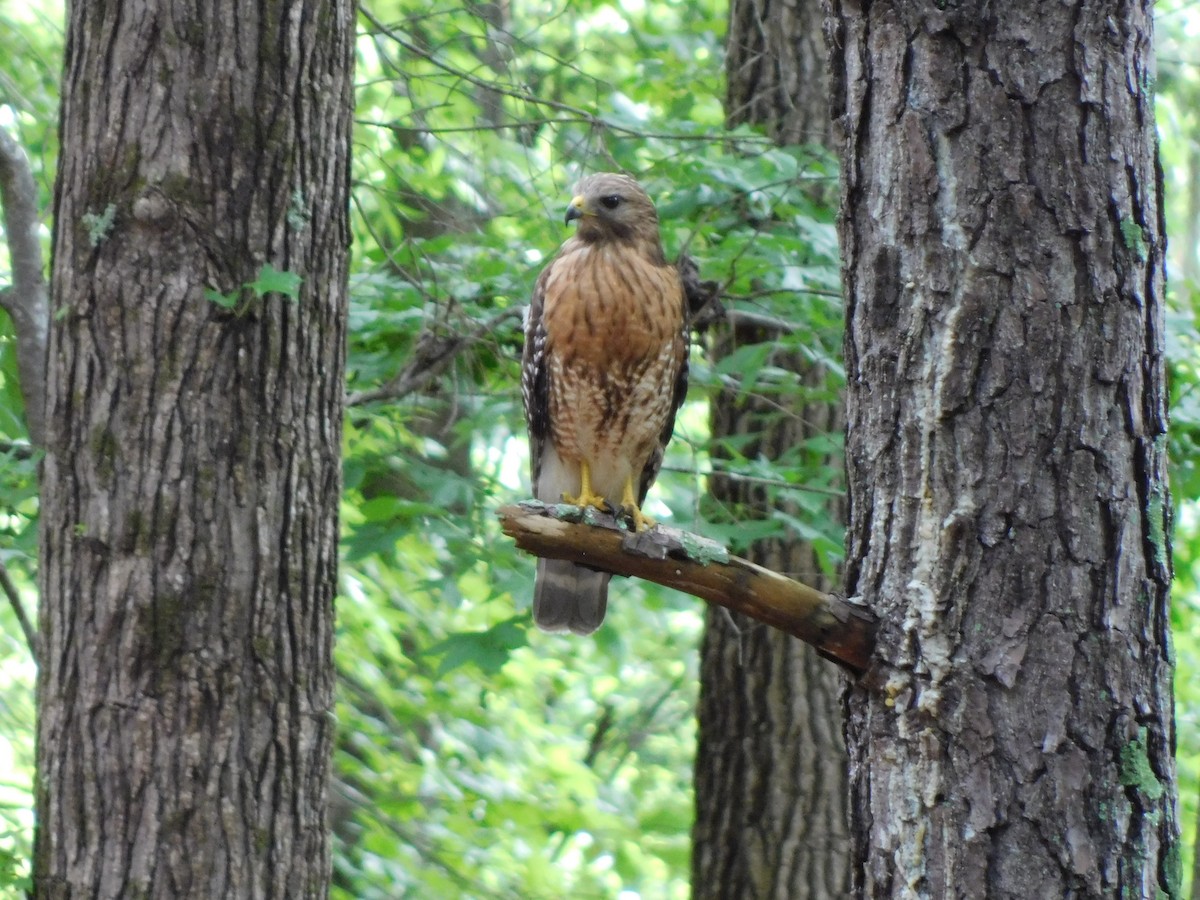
(192, 475)
(771, 783)
(26, 300)
(1002, 238)
(776, 70)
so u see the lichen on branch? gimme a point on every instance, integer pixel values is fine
(839, 630)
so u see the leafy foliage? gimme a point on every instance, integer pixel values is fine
(1178, 107)
(269, 281)
(477, 757)
(519, 764)
(28, 111)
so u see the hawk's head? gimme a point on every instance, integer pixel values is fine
(610, 206)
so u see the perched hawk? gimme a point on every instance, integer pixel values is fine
(603, 373)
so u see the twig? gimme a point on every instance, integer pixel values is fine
(736, 476)
(740, 318)
(26, 300)
(18, 449)
(787, 292)
(838, 630)
(574, 113)
(10, 590)
(428, 363)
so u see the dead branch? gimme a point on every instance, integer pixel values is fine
(687, 562)
(26, 300)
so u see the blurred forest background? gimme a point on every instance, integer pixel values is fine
(477, 757)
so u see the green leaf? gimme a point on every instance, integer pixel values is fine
(225, 301)
(10, 877)
(272, 281)
(487, 650)
(667, 818)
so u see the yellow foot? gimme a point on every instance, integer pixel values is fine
(641, 522)
(587, 497)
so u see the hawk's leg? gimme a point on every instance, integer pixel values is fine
(641, 521)
(587, 497)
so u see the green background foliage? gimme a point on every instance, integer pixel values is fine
(477, 757)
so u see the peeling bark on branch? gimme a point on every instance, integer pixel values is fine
(839, 630)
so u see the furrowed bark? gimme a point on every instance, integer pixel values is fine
(192, 477)
(770, 775)
(1003, 244)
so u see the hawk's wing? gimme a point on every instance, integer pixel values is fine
(535, 388)
(678, 395)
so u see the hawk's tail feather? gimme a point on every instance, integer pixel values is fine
(567, 597)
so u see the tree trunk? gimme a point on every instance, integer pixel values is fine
(1002, 239)
(771, 783)
(776, 70)
(192, 476)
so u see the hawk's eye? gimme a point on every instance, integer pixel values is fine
(612, 201)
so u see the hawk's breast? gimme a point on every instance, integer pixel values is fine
(614, 347)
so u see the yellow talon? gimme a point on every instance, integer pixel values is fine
(586, 496)
(641, 522)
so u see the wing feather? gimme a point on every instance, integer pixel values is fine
(535, 387)
(679, 394)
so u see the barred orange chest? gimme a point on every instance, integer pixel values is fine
(614, 347)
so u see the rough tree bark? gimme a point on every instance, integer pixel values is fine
(1002, 239)
(192, 475)
(770, 774)
(776, 70)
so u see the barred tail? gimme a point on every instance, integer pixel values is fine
(567, 597)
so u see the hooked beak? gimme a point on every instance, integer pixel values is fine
(577, 209)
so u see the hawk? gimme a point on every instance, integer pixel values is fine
(603, 372)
